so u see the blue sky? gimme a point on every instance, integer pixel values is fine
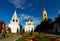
(31, 8)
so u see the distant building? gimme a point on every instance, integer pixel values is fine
(14, 23)
(44, 14)
(2, 27)
(29, 25)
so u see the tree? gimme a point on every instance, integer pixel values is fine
(20, 27)
(31, 32)
(3, 34)
(9, 29)
(22, 31)
(37, 28)
(45, 25)
(57, 20)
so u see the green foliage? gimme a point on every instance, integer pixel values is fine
(8, 34)
(21, 28)
(31, 33)
(43, 39)
(39, 31)
(57, 19)
(9, 30)
(45, 25)
(5, 35)
(35, 33)
(22, 31)
(37, 28)
(1, 37)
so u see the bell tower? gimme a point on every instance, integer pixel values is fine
(44, 14)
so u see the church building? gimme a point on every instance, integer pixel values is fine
(14, 23)
(29, 25)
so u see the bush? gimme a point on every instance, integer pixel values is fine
(8, 34)
(4, 34)
(9, 30)
(35, 33)
(1, 37)
(31, 32)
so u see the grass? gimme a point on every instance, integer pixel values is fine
(58, 37)
(6, 35)
(43, 39)
(23, 37)
(38, 38)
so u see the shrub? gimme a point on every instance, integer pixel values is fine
(4, 34)
(35, 33)
(9, 30)
(8, 34)
(31, 32)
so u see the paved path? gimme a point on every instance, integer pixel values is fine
(13, 38)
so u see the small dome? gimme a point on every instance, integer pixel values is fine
(28, 19)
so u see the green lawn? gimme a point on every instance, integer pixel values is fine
(43, 39)
(5, 35)
(23, 37)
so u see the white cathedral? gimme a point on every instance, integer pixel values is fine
(14, 23)
(29, 25)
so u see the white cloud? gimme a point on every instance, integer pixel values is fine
(23, 17)
(17, 3)
(20, 3)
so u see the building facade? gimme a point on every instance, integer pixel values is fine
(29, 25)
(14, 23)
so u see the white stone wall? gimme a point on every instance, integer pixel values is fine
(14, 27)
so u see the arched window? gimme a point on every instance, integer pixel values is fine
(13, 20)
(44, 14)
(16, 20)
